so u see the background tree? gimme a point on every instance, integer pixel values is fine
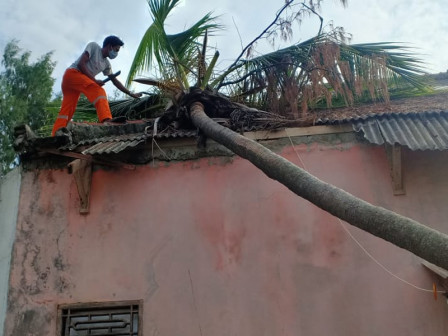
(25, 94)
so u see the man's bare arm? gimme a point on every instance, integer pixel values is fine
(123, 89)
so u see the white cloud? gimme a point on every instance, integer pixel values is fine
(420, 24)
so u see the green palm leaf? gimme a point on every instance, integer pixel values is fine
(173, 53)
(319, 70)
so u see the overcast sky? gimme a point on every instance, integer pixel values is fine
(65, 27)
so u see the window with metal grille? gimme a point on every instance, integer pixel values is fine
(101, 319)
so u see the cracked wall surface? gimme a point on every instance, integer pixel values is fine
(214, 247)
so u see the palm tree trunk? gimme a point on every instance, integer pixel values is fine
(404, 232)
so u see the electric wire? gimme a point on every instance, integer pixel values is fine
(358, 243)
(154, 133)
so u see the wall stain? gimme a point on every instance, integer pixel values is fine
(32, 322)
(227, 244)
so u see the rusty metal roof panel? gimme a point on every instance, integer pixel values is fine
(418, 131)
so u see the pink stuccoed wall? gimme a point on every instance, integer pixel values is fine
(214, 247)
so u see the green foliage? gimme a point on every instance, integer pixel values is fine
(25, 94)
(174, 54)
(324, 72)
(151, 105)
(320, 71)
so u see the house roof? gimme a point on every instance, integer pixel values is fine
(417, 131)
(115, 143)
(420, 123)
(437, 102)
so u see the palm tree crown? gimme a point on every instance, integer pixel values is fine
(317, 72)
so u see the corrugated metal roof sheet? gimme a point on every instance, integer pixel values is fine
(116, 144)
(437, 102)
(418, 131)
(111, 147)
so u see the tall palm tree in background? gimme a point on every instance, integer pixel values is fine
(286, 82)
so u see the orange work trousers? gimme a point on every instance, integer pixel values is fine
(74, 83)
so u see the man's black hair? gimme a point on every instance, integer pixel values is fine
(113, 41)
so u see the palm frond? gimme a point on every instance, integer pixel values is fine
(399, 62)
(321, 69)
(172, 53)
(317, 71)
(186, 40)
(209, 71)
(165, 85)
(160, 9)
(148, 48)
(298, 54)
(149, 106)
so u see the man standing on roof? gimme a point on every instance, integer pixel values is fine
(80, 78)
